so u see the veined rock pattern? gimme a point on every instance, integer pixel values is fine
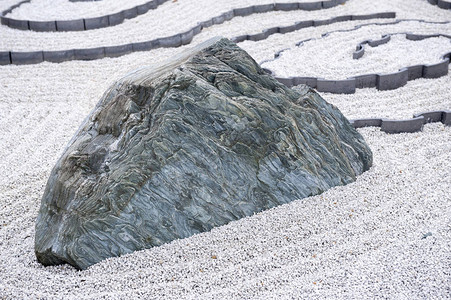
(179, 148)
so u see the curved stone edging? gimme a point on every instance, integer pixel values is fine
(360, 49)
(388, 81)
(35, 57)
(118, 18)
(441, 3)
(78, 24)
(406, 126)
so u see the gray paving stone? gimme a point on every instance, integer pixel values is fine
(392, 81)
(366, 81)
(5, 58)
(366, 123)
(95, 23)
(346, 86)
(25, 58)
(73, 25)
(400, 126)
(59, 56)
(116, 51)
(116, 19)
(89, 54)
(42, 26)
(436, 70)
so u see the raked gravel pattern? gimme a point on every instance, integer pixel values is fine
(387, 235)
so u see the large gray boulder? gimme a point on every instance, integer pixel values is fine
(179, 148)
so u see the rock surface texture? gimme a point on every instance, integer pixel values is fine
(179, 148)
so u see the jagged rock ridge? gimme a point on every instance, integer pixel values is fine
(179, 148)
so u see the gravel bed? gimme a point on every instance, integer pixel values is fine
(399, 52)
(176, 17)
(387, 235)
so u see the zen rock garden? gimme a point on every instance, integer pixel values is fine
(179, 148)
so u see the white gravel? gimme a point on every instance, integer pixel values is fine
(333, 53)
(360, 241)
(49, 10)
(175, 17)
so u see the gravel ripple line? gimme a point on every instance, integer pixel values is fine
(388, 81)
(118, 18)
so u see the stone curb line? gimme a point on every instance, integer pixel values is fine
(310, 23)
(382, 82)
(118, 18)
(78, 24)
(405, 126)
(441, 3)
(21, 58)
(360, 49)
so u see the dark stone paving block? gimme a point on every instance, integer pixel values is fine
(242, 12)
(366, 123)
(73, 25)
(286, 29)
(145, 46)
(142, 9)
(286, 6)
(89, 54)
(264, 8)
(310, 81)
(59, 56)
(25, 58)
(130, 13)
(342, 18)
(258, 36)
(4, 21)
(446, 118)
(415, 72)
(322, 22)
(206, 24)
(171, 41)
(95, 23)
(310, 5)
(219, 19)
(433, 2)
(187, 37)
(346, 86)
(383, 40)
(116, 19)
(42, 26)
(358, 53)
(444, 4)
(229, 15)
(430, 116)
(329, 4)
(5, 58)
(303, 24)
(115, 51)
(436, 70)
(18, 24)
(286, 81)
(399, 126)
(197, 29)
(366, 81)
(392, 81)
(152, 4)
(272, 30)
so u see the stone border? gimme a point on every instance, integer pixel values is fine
(382, 82)
(78, 24)
(360, 49)
(441, 3)
(20, 58)
(310, 23)
(118, 18)
(405, 126)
